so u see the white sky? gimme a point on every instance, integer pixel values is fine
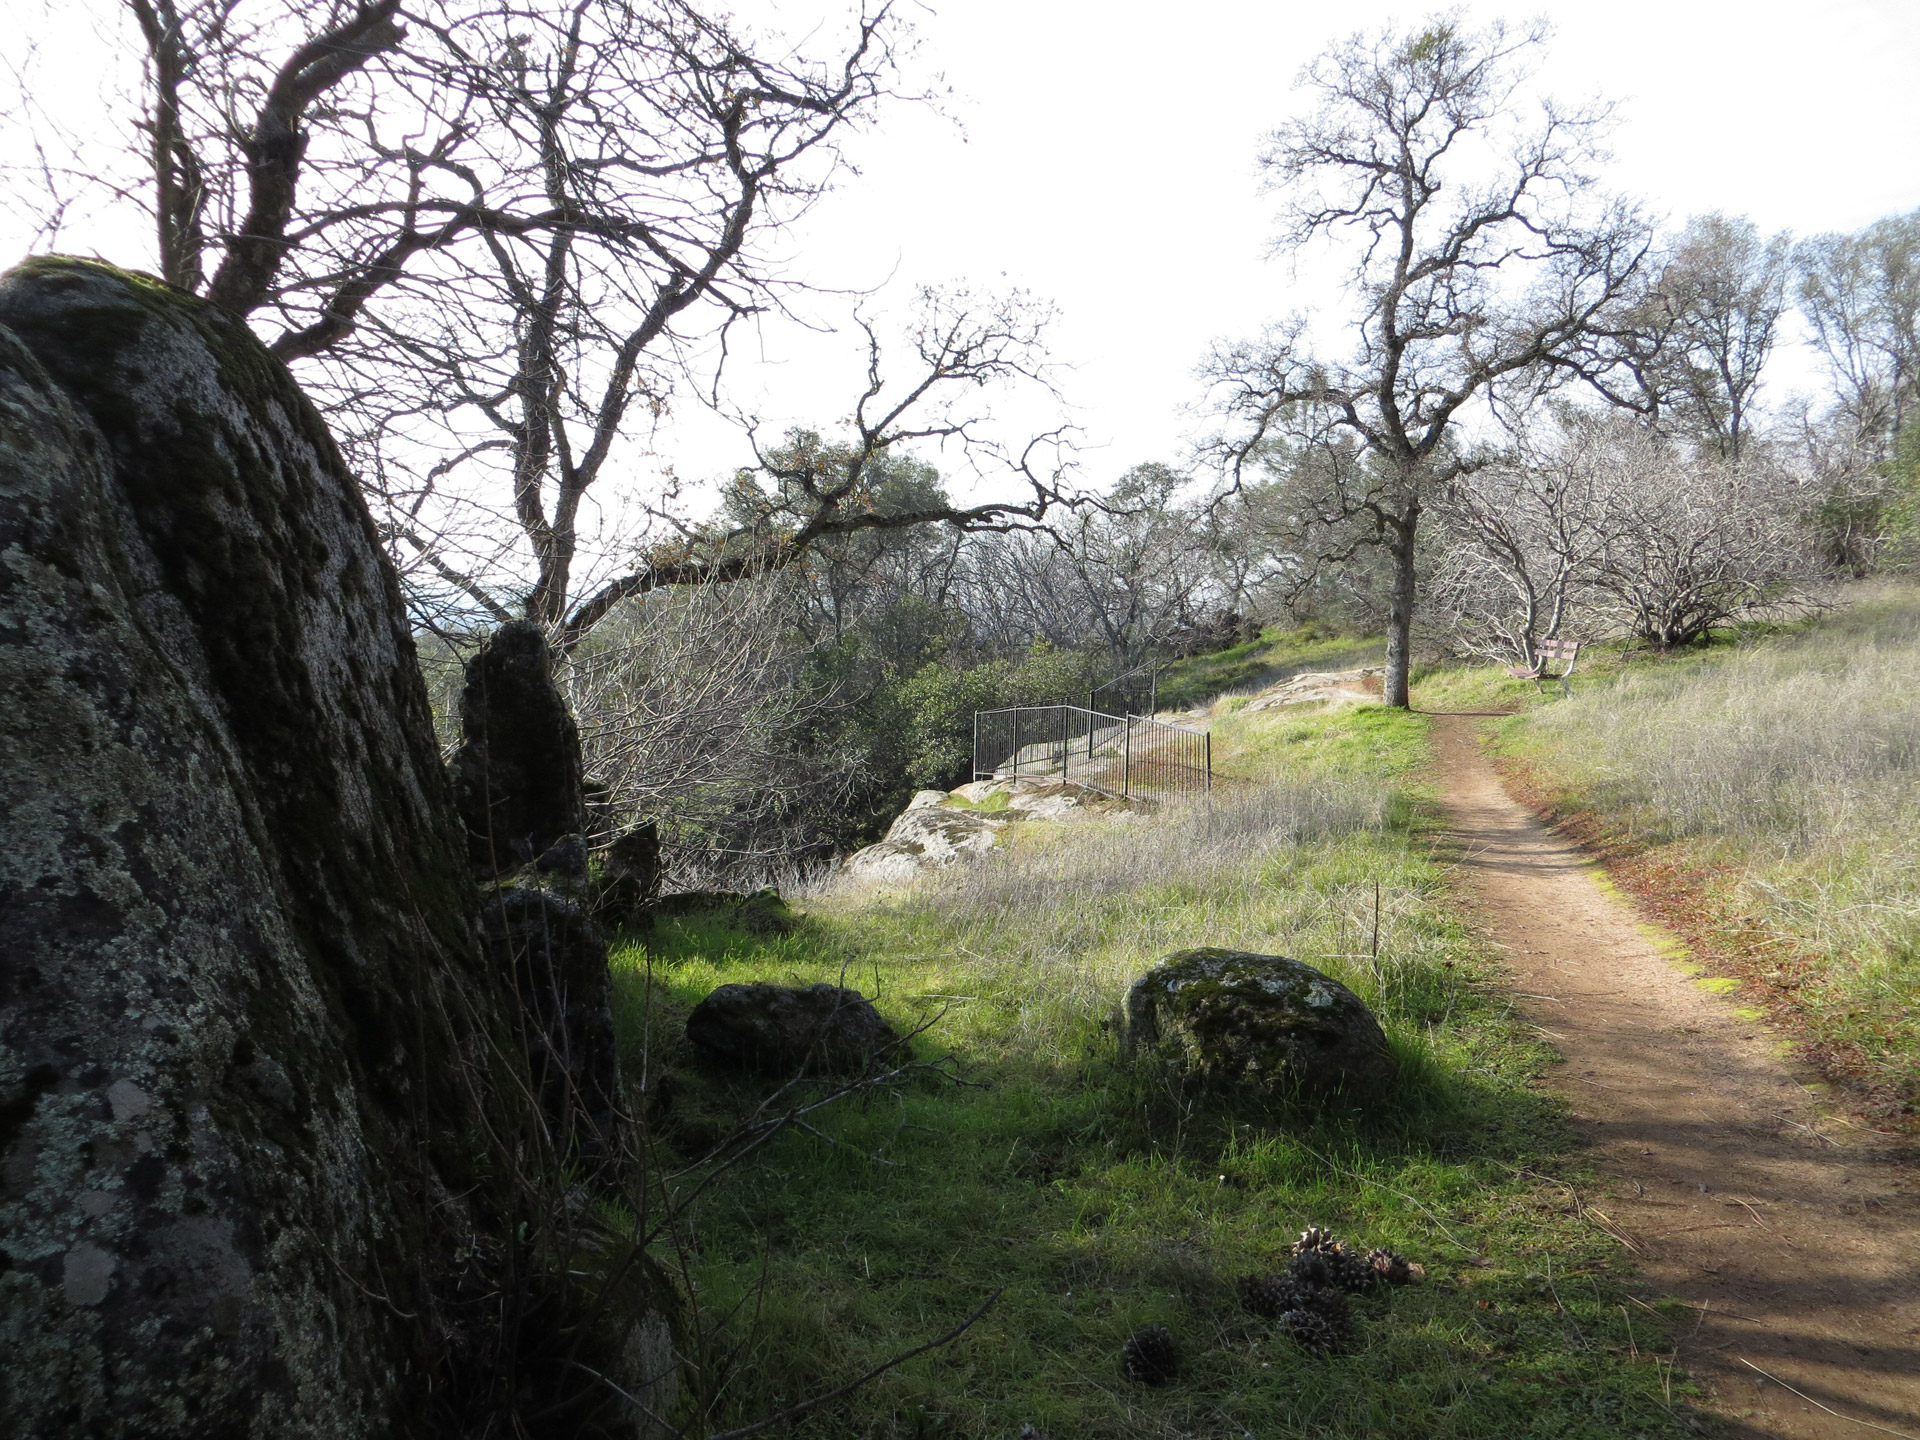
(1104, 158)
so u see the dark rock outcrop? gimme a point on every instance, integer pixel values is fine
(1263, 1025)
(251, 1054)
(558, 959)
(566, 859)
(788, 1030)
(629, 877)
(517, 773)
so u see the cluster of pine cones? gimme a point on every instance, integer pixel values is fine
(1309, 1299)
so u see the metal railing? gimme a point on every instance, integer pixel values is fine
(1124, 755)
(1135, 692)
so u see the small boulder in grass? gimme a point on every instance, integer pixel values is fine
(789, 1030)
(1260, 1025)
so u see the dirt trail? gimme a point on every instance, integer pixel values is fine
(1796, 1236)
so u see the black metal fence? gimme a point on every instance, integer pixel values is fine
(1137, 692)
(1121, 754)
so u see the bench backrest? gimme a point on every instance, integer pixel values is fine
(1557, 649)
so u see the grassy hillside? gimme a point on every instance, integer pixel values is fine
(1776, 786)
(1093, 1200)
(1275, 655)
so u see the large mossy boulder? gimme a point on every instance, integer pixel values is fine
(517, 774)
(1264, 1026)
(255, 1072)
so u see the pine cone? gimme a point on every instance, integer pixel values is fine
(1352, 1271)
(1268, 1295)
(1330, 1305)
(1312, 1268)
(1393, 1268)
(1314, 1237)
(1150, 1356)
(1314, 1329)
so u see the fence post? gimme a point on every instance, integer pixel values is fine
(1209, 762)
(1064, 733)
(1126, 763)
(976, 746)
(1016, 742)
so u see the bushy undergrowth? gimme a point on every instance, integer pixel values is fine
(1094, 1198)
(1793, 764)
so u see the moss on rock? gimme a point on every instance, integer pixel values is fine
(1265, 1025)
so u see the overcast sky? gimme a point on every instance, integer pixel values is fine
(1108, 162)
(1102, 155)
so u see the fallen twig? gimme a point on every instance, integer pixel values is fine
(1824, 1140)
(1606, 1225)
(1828, 1408)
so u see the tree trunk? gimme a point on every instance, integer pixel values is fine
(1400, 607)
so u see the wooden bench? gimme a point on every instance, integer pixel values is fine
(1546, 652)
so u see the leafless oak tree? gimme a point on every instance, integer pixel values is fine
(693, 711)
(1520, 540)
(494, 236)
(1694, 540)
(1482, 257)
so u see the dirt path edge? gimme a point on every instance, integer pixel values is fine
(1795, 1239)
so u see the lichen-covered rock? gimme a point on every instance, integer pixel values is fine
(558, 959)
(1029, 799)
(565, 859)
(1263, 1025)
(249, 1048)
(517, 774)
(928, 837)
(788, 1030)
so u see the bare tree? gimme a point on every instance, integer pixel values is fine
(1694, 540)
(495, 237)
(1140, 564)
(1481, 258)
(694, 711)
(1520, 540)
(962, 347)
(1861, 294)
(672, 148)
(1710, 318)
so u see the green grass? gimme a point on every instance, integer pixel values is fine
(1275, 655)
(1094, 1199)
(1364, 743)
